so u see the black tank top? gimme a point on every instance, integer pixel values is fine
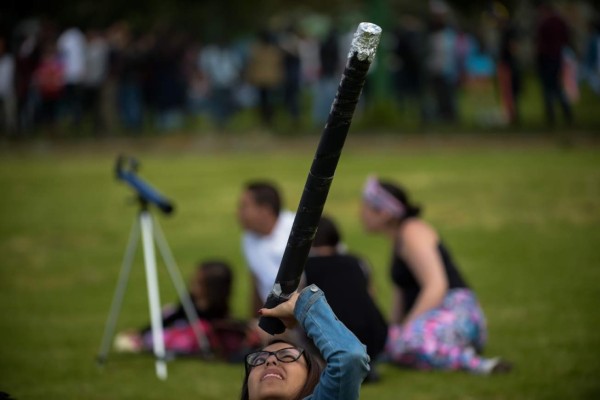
(403, 277)
(344, 282)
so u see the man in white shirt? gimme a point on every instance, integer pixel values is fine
(266, 231)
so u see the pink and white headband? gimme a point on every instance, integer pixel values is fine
(377, 197)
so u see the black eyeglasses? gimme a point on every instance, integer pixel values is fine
(286, 355)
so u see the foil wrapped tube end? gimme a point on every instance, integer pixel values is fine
(365, 41)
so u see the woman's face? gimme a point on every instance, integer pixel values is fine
(276, 379)
(372, 220)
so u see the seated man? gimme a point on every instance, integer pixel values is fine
(266, 231)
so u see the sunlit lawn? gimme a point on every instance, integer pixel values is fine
(522, 217)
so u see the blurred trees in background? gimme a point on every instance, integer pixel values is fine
(213, 18)
(209, 19)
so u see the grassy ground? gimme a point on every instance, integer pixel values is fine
(522, 216)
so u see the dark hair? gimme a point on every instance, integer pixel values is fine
(412, 210)
(265, 194)
(327, 233)
(312, 378)
(217, 285)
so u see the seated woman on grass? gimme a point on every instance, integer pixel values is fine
(210, 293)
(436, 322)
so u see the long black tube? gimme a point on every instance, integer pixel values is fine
(322, 171)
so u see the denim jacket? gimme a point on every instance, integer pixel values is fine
(346, 357)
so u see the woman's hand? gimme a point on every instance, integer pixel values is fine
(284, 311)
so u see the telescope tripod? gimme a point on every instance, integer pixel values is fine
(151, 232)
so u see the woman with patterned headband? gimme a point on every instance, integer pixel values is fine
(436, 321)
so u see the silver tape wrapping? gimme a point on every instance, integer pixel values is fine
(365, 41)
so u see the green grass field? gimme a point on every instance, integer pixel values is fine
(521, 215)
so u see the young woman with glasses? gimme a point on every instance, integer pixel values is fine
(282, 370)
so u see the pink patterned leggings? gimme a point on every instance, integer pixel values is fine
(447, 337)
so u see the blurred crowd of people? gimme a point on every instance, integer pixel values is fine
(436, 59)
(117, 80)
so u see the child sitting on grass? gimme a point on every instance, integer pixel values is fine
(210, 290)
